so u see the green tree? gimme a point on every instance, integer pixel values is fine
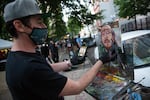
(54, 13)
(78, 15)
(130, 8)
(74, 26)
(3, 33)
(53, 17)
(81, 17)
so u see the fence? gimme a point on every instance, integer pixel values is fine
(139, 24)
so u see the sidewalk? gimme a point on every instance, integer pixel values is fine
(76, 74)
(4, 92)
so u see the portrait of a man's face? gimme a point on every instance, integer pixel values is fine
(114, 72)
(107, 36)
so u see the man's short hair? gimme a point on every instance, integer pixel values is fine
(12, 30)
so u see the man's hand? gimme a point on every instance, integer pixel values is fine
(77, 60)
(107, 57)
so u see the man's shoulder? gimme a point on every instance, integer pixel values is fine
(20, 55)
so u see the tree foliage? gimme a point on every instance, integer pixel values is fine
(130, 8)
(81, 16)
(3, 33)
(53, 10)
(74, 25)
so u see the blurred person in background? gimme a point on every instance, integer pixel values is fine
(78, 41)
(53, 50)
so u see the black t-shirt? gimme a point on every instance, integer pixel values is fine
(29, 77)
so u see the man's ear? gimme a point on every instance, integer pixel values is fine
(19, 26)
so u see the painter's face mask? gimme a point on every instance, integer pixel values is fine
(39, 35)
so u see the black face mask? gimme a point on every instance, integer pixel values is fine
(39, 35)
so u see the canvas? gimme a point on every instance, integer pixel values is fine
(112, 76)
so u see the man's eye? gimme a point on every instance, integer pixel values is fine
(103, 33)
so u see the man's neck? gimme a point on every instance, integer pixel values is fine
(23, 44)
